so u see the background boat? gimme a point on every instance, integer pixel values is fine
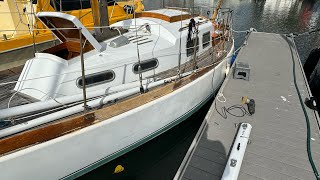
(20, 29)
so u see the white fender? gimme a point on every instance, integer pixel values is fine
(233, 166)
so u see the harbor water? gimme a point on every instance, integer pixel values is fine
(161, 157)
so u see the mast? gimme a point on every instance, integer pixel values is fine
(101, 20)
(60, 5)
(215, 13)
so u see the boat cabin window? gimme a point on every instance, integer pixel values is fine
(206, 40)
(146, 65)
(190, 46)
(96, 78)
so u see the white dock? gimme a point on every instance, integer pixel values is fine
(277, 147)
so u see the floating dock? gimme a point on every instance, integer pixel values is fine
(277, 147)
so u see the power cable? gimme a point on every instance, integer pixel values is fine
(314, 168)
(225, 111)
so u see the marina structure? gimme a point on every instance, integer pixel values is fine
(284, 138)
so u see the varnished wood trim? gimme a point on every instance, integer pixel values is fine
(163, 17)
(61, 127)
(72, 47)
(43, 133)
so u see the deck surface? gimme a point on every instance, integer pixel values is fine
(277, 148)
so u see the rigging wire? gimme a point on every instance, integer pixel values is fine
(138, 53)
(63, 106)
(93, 68)
(180, 44)
(20, 19)
(32, 22)
(97, 67)
(57, 108)
(303, 34)
(157, 38)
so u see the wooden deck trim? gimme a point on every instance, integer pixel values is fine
(72, 47)
(163, 17)
(53, 130)
(43, 133)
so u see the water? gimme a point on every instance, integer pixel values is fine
(157, 159)
(274, 16)
(160, 158)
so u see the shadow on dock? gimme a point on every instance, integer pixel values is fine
(208, 160)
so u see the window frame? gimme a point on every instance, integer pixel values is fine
(96, 74)
(205, 44)
(189, 51)
(145, 61)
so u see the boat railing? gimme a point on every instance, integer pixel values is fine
(204, 11)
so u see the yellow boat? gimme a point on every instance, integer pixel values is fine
(17, 19)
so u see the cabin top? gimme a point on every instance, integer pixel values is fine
(169, 15)
(66, 27)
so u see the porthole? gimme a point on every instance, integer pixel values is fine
(146, 65)
(96, 78)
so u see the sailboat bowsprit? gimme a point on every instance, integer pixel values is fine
(138, 84)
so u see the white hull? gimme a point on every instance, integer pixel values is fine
(74, 154)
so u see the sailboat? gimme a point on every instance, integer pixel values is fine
(97, 100)
(21, 29)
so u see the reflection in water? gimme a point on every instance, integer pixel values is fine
(279, 16)
(274, 16)
(278, 8)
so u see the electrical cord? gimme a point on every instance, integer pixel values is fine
(314, 168)
(225, 111)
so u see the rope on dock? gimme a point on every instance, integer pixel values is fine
(287, 34)
(303, 34)
(245, 31)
